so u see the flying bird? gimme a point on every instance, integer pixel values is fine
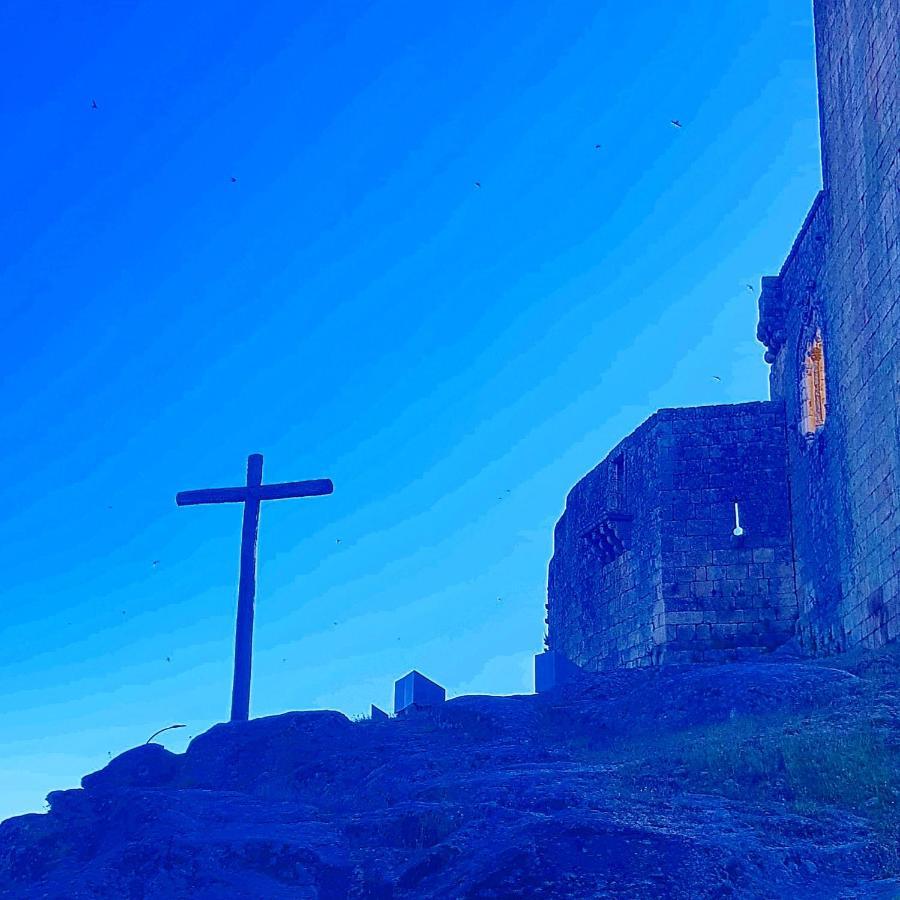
(597, 146)
(751, 288)
(155, 562)
(676, 123)
(94, 104)
(233, 179)
(478, 184)
(716, 378)
(168, 659)
(337, 540)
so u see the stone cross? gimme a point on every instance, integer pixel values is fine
(251, 495)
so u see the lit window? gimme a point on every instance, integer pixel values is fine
(813, 388)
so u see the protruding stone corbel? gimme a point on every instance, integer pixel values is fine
(770, 330)
(609, 536)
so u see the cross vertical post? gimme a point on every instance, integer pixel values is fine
(251, 495)
(243, 632)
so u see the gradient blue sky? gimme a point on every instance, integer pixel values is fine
(353, 307)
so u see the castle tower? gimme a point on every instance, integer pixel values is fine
(831, 324)
(719, 532)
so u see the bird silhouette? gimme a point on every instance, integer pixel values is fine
(478, 184)
(751, 288)
(94, 104)
(233, 179)
(676, 123)
(597, 146)
(338, 540)
(716, 378)
(155, 562)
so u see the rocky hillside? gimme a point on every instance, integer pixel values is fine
(777, 779)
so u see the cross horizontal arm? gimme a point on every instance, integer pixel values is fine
(286, 489)
(212, 495)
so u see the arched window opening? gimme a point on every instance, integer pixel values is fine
(813, 387)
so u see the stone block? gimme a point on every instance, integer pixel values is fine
(414, 689)
(552, 669)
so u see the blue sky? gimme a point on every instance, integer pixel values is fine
(454, 357)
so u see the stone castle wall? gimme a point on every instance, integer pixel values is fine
(842, 278)
(604, 605)
(645, 569)
(724, 596)
(673, 583)
(858, 48)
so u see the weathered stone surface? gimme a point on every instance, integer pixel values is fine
(842, 277)
(149, 765)
(571, 794)
(242, 754)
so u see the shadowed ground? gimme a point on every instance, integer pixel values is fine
(763, 780)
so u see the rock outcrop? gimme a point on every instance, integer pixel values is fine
(758, 780)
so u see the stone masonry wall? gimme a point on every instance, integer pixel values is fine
(646, 569)
(842, 278)
(791, 306)
(725, 596)
(602, 614)
(858, 60)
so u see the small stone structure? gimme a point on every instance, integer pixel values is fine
(552, 669)
(650, 565)
(415, 690)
